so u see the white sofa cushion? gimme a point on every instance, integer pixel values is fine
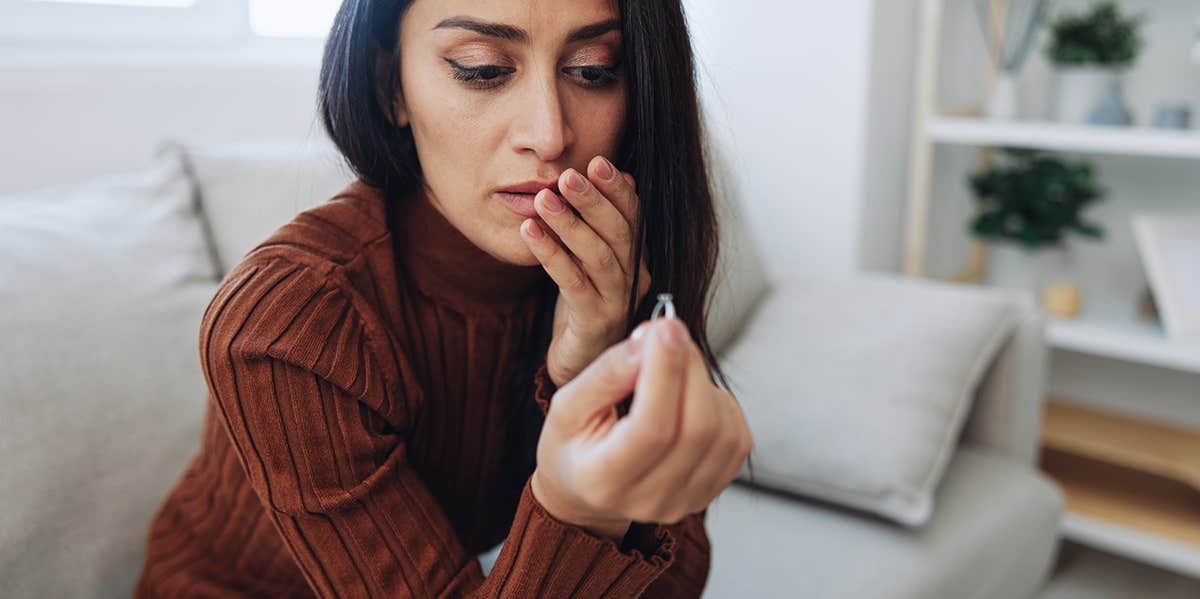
(249, 189)
(102, 286)
(994, 536)
(860, 407)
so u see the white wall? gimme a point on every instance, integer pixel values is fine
(813, 100)
(71, 119)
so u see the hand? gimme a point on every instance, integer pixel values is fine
(683, 441)
(591, 262)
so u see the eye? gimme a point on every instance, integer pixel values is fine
(597, 76)
(483, 77)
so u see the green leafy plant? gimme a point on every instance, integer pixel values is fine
(1101, 37)
(1034, 198)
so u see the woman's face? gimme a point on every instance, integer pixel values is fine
(543, 102)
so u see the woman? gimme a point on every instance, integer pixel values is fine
(385, 368)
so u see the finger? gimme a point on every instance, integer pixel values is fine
(650, 429)
(601, 214)
(572, 281)
(693, 454)
(598, 258)
(602, 385)
(618, 189)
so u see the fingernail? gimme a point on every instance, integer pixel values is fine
(553, 203)
(639, 332)
(535, 231)
(575, 181)
(672, 332)
(606, 169)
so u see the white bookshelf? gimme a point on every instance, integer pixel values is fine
(1119, 141)
(1123, 338)
(1102, 330)
(1149, 549)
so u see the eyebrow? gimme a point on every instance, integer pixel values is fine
(515, 34)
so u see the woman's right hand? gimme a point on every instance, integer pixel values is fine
(683, 441)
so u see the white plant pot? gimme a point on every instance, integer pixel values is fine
(1015, 268)
(1080, 89)
(1003, 102)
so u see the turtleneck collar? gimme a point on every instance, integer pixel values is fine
(443, 263)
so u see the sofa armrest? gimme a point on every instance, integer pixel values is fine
(1007, 415)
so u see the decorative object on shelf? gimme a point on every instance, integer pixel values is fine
(1008, 27)
(1146, 307)
(1061, 299)
(1028, 202)
(1173, 115)
(1169, 245)
(1091, 52)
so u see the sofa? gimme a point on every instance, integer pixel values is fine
(103, 284)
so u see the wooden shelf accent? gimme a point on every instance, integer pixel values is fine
(1159, 449)
(1132, 486)
(1126, 497)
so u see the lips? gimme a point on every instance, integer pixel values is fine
(531, 187)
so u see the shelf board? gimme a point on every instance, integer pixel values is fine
(1140, 547)
(1123, 338)
(1048, 135)
(1160, 449)
(1138, 515)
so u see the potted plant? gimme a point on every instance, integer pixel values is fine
(1091, 52)
(1029, 202)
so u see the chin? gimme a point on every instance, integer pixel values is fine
(512, 249)
(521, 255)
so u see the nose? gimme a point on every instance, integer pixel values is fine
(541, 125)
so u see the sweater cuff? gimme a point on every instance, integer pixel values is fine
(581, 564)
(544, 388)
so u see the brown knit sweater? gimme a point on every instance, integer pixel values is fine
(353, 444)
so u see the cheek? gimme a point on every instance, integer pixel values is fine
(601, 124)
(441, 109)
(599, 119)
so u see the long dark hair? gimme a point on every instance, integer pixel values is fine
(662, 147)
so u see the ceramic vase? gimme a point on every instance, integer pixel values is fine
(1080, 91)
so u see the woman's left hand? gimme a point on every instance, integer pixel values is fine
(589, 256)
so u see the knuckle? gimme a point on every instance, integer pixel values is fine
(577, 281)
(746, 447)
(654, 440)
(570, 222)
(702, 433)
(624, 237)
(731, 444)
(607, 260)
(589, 198)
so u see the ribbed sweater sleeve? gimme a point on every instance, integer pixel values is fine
(318, 418)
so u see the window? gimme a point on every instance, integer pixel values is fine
(132, 23)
